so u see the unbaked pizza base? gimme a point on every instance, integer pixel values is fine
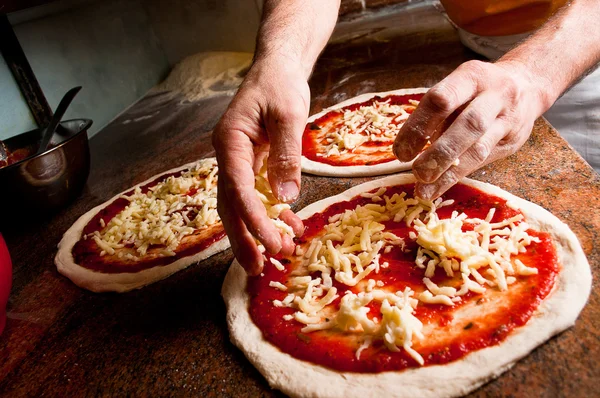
(327, 170)
(300, 378)
(121, 282)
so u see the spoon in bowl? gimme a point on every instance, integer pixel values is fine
(56, 118)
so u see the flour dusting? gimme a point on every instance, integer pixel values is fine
(206, 74)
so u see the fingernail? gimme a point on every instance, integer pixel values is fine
(274, 249)
(259, 266)
(256, 270)
(426, 191)
(424, 176)
(253, 268)
(403, 153)
(426, 170)
(288, 191)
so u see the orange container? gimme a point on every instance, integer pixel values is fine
(500, 17)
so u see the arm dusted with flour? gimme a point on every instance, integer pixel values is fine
(267, 117)
(501, 100)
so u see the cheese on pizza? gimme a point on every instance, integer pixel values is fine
(162, 214)
(378, 122)
(358, 134)
(370, 268)
(158, 227)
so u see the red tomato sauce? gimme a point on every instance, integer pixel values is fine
(338, 353)
(16, 156)
(87, 253)
(311, 140)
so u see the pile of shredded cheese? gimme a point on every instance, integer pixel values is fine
(174, 208)
(380, 121)
(487, 248)
(163, 215)
(349, 249)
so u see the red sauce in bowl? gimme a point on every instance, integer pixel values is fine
(16, 156)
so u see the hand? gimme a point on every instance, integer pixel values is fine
(496, 104)
(266, 117)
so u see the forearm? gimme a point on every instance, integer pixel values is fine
(562, 51)
(296, 31)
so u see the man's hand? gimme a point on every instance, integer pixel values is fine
(266, 117)
(498, 103)
(496, 106)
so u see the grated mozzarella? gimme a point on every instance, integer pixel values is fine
(165, 214)
(174, 208)
(278, 285)
(273, 206)
(488, 247)
(277, 264)
(349, 250)
(380, 121)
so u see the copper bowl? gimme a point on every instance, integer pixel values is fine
(41, 184)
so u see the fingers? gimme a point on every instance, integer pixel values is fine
(242, 242)
(470, 126)
(287, 245)
(237, 196)
(285, 137)
(435, 106)
(291, 219)
(474, 157)
(266, 116)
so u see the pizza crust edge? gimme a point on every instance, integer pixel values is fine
(323, 169)
(122, 282)
(299, 378)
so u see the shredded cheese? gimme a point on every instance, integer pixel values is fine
(380, 121)
(277, 264)
(278, 285)
(174, 208)
(273, 206)
(349, 248)
(164, 214)
(487, 246)
(348, 251)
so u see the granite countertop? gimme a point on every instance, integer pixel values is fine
(171, 338)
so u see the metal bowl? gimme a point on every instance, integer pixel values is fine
(41, 184)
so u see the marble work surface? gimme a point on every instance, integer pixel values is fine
(170, 338)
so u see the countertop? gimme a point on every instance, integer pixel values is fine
(171, 338)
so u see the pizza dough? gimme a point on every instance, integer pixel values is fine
(323, 169)
(298, 378)
(122, 282)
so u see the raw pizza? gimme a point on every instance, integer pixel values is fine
(147, 233)
(355, 137)
(390, 295)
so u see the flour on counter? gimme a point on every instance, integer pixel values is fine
(206, 74)
(139, 119)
